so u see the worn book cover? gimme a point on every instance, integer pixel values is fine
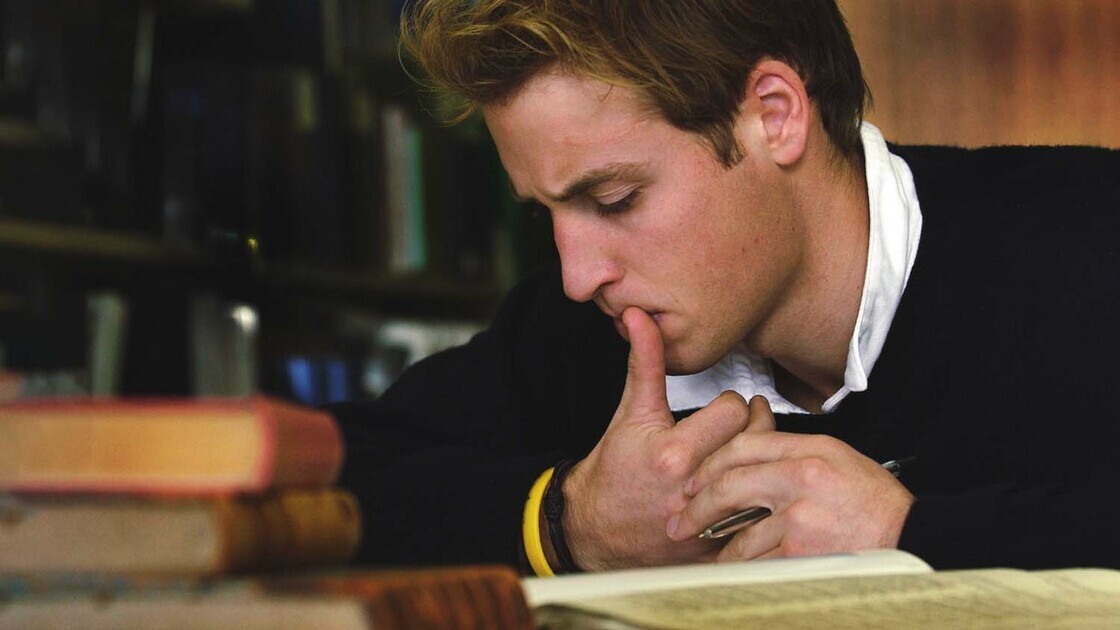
(196, 446)
(112, 535)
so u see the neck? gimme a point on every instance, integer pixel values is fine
(809, 339)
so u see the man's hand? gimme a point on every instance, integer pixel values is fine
(620, 497)
(825, 497)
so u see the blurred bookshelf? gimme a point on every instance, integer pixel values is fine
(204, 197)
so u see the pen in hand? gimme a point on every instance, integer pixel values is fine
(739, 520)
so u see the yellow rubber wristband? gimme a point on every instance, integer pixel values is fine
(531, 526)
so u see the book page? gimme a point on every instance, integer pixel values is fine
(991, 598)
(566, 588)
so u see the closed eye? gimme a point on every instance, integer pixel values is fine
(617, 207)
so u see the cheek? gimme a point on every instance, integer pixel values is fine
(696, 224)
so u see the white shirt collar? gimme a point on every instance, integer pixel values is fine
(895, 227)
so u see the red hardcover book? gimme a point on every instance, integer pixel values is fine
(203, 446)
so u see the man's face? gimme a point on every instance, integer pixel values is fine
(645, 215)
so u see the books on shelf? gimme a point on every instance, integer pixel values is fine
(108, 325)
(879, 589)
(404, 191)
(173, 446)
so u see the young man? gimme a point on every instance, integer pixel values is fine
(717, 204)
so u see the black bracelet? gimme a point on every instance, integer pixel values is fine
(554, 514)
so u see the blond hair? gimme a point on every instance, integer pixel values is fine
(688, 59)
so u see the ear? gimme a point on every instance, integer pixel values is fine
(776, 95)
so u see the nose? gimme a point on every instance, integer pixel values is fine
(586, 259)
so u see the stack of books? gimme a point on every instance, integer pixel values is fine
(204, 513)
(222, 514)
(170, 488)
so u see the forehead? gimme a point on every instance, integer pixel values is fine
(560, 124)
(566, 107)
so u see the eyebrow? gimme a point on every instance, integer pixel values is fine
(587, 181)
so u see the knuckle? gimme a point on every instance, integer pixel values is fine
(796, 542)
(799, 516)
(793, 546)
(672, 459)
(814, 472)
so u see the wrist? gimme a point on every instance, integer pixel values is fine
(542, 529)
(546, 543)
(554, 541)
(579, 520)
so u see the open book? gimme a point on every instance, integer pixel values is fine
(874, 589)
(879, 589)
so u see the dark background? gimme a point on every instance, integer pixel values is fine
(194, 159)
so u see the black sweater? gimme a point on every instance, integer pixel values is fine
(999, 373)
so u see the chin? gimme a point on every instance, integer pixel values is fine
(680, 364)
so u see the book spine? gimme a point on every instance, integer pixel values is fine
(404, 191)
(450, 598)
(291, 529)
(304, 447)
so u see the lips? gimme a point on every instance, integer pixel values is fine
(621, 327)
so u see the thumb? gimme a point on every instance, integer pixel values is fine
(645, 369)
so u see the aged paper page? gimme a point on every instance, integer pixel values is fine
(574, 588)
(996, 598)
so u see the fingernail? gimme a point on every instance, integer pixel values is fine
(688, 485)
(674, 523)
